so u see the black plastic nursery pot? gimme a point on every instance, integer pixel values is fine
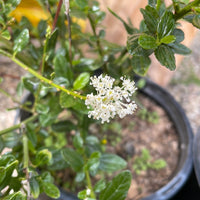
(182, 125)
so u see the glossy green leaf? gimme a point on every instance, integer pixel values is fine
(46, 177)
(147, 41)
(58, 162)
(42, 27)
(100, 185)
(35, 188)
(94, 162)
(77, 141)
(165, 56)
(30, 84)
(43, 157)
(21, 41)
(66, 100)
(82, 3)
(11, 139)
(79, 176)
(6, 34)
(168, 39)
(73, 158)
(2, 174)
(111, 163)
(117, 188)
(42, 108)
(196, 21)
(62, 67)
(6, 159)
(166, 25)
(15, 196)
(14, 3)
(151, 16)
(20, 88)
(81, 81)
(152, 3)
(140, 64)
(31, 133)
(9, 170)
(63, 126)
(179, 34)
(180, 49)
(51, 190)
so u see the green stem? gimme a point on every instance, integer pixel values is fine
(44, 55)
(40, 77)
(92, 195)
(25, 151)
(158, 5)
(182, 12)
(17, 126)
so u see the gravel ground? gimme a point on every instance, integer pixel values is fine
(185, 86)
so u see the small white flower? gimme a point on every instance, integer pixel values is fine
(88, 191)
(110, 100)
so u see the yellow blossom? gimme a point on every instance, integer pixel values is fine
(32, 10)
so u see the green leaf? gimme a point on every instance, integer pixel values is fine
(51, 190)
(152, 3)
(58, 162)
(43, 157)
(165, 56)
(79, 176)
(73, 158)
(46, 177)
(129, 29)
(81, 81)
(117, 188)
(2, 174)
(82, 3)
(151, 16)
(66, 100)
(100, 185)
(14, 3)
(78, 141)
(31, 133)
(15, 196)
(62, 67)
(93, 162)
(63, 126)
(196, 21)
(168, 39)
(35, 188)
(21, 41)
(9, 170)
(179, 34)
(166, 25)
(134, 48)
(140, 64)
(30, 84)
(42, 108)
(20, 88)
(147, 41)
(111, 163)
(180, 49)
(6, 34)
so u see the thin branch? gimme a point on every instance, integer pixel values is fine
(57, 14)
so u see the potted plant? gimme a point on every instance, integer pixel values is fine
(79, 79)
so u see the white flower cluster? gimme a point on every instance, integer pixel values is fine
(110, 100)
